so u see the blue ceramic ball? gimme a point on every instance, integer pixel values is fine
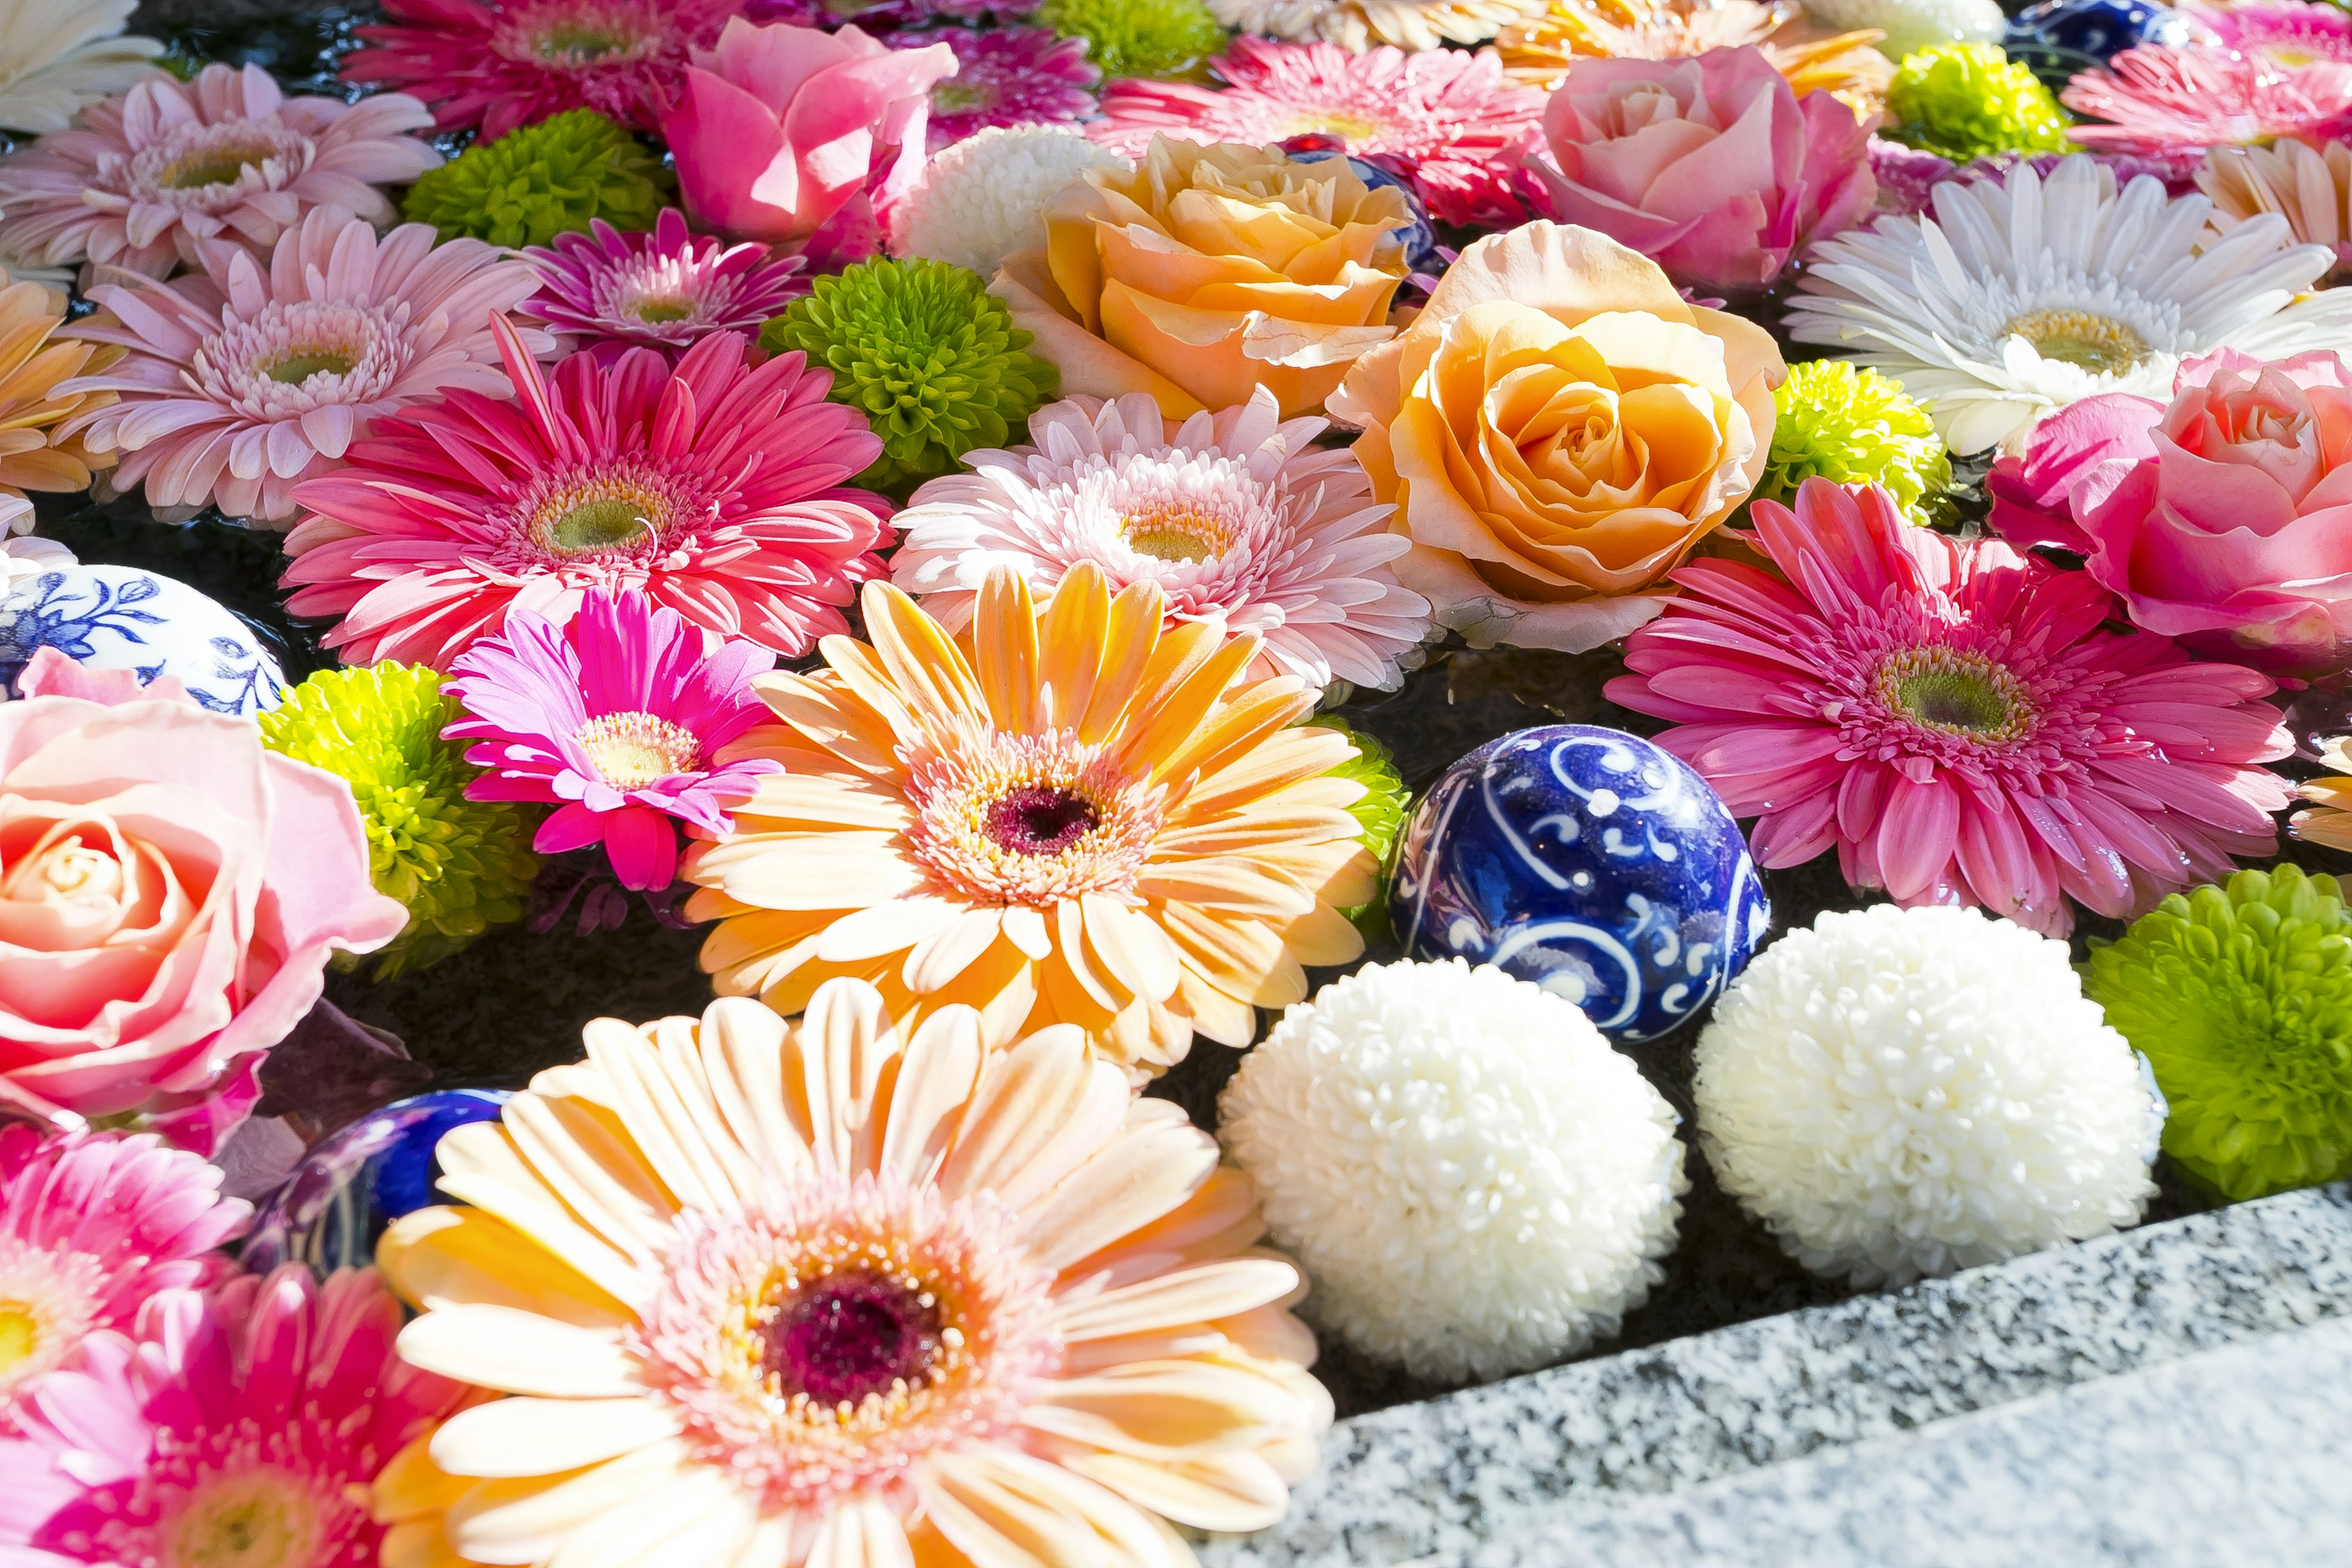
(2080, 35)
(123, 618)
(1587, 860)
(331, 1211)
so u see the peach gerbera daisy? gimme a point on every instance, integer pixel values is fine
(1075, 817)
(850, 1294)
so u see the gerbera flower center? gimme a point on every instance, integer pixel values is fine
(301, 364)
(961, 97)
(48, 1301)
(611, 507)
(1956, 693)
(268, 365)
(1029, 819)
(578, 46)
(1036, 819)
(631, 750)
(855, 1335)
(199, 167)
(1336, 123)
(2097, 343)
(213, 166)
(253, 1518)
(1175, 531)
(20, 1336)
(577, 34)
(663, 308)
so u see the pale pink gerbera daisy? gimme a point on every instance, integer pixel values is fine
(1441, 120)
(241, 1429)
(239, 383)
(606, 291)
(495, 66)
(2178, 101)
(91, 1225)
(1238, 517)
(1954, 718)
(716, 488)
(140, 179)
(2287, 33)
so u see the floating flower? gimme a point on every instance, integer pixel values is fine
(244, 1427)
(1953, 720)
(137, 974)
(541, 181)
(2287, 34)
(140, 179)
(1854, 428)
(37, 408)
(1539, 52)
(1238, 517)
(714, 486)
(616, 719)
(2309, 186)
(91, 1225)
(1210, 272)
(1010, 76)
(986, 197)
(1905, 1092)
(607, 291)
(237, 382)
(59, 57)
(1028, 1310)
(933, 362)
(1521, 536)
(1964, 102)
(2020, 296)
(1912, 25)
(1357, 24)
(1444, 121)
(1476, 1183)
(1074, 817)
(2330, 821)
(498, 65)
(2160, 101)
(2241, 998)
(459, 866)
(1138, 37)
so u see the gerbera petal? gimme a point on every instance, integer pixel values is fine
(530, 1437)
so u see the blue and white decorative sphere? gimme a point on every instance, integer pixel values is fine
(1589, 861)
(122, 618)
(2067, 35)
(333, 1206)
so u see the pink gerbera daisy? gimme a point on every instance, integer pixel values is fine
(241, 1429)
(608, 291)
(92, 1224)
(616, 719)
(2287, 33)
(140, 179)
(2180, 101)
(1441, 120)
(1013, 76)
(1954, 718)
(240, 383)
(497, 65)
(1238, 517)
(715, 487)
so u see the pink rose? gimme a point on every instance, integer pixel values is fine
(169, 895)
(2073, 460)
(2236, 535)
(778, 128)
(1710, 165)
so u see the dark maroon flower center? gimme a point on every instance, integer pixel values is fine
(853, 1335)
(1038, 819)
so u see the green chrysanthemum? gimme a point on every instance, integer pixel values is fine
(2241, 998)
(1382, 811)
(927, 353)
(461, 865)
(1967, 101)
(542, 180)
(1856, 428)
(1138, 37)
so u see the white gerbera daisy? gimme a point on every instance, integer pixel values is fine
(984, 197)
(2021, 297)
(1237, 516)
(57, 56)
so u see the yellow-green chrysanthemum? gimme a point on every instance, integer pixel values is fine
(1966, 101)
(1854, 427)
(542, 180)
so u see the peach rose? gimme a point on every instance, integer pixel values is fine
(169, 895)
(1207, 272)
(1558, 430)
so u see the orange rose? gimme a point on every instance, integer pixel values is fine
(1558, 430)
(1207, 272)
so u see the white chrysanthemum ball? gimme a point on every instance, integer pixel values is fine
(1906, 1092)
(1914, 23)
(1476, 1183)
(984, 197)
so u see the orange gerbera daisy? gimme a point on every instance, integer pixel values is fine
(1075, 817)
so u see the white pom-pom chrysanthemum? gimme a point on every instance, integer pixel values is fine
(1913, 24)
(1476, 1183)
(1898, 1093)
(984, 197)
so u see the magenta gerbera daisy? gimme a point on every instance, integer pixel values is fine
(1954, 718)
(715, 487)
(606, 291)
(1013, 76)
(141, 180)
(2159, 100)
(1443, 121)
(240, 1429)
(498, 64)
(616, 719)
(2287, 33)
(874, 16)
(241, 381)
(91, 1225)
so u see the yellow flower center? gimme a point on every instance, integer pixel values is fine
(20, 1335)
(217, 165)
(633, 750)
(1171, 531)
(1955, 693)
(256, 1518)
(299, 364)
(1349, 128)
(2097, 343)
